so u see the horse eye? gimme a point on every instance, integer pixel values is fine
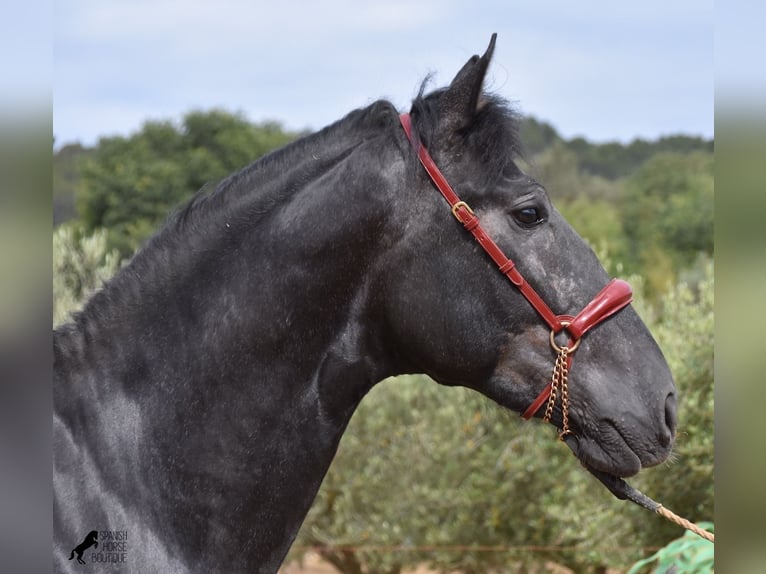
(528, 216)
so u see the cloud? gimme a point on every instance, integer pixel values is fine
(587, 68)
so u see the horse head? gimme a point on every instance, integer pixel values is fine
(465, 324)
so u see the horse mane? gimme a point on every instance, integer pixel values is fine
(240, 199)
(495, 131)
(256, 176)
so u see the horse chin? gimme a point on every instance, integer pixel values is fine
(619, 460)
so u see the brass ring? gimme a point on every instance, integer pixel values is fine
(558, 349)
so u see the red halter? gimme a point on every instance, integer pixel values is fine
(616, 295)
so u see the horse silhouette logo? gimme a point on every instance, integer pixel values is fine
(90, 540)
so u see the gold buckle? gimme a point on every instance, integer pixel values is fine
(457, 206)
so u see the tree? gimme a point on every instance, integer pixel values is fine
(685, 332)
(130, 183)
(558, 169)
(81, 263)
(66, 180)
(613, 160)
(598, 222)
(667, 215)
(537, 135)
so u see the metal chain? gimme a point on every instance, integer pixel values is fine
(554, 389)
(559, 383)
(564, 393)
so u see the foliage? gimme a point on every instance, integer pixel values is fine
(613, 160)
(609, 160)
(598, 222)
(422, 466)
(685, 333)
(67, 163)
(81, 263)
(130, 183)
(688, 554)
(558, 168)
(537, 135)
(667, 215)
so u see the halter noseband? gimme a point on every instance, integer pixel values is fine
(613, 297)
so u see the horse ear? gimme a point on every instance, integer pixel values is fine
(461, 99)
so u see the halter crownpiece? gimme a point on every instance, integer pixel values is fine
(616, 295)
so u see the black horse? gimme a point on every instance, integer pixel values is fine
(90, 540)
(199, 398)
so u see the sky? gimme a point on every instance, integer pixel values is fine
(602, 70)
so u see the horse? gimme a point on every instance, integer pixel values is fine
(90, 540)
(201, 394)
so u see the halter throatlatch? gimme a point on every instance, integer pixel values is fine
(616, 295)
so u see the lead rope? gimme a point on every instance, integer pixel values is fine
(622, 490)
(673, 517)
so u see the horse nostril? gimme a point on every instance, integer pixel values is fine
(666, 436)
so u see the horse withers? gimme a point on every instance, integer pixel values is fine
(200, 396)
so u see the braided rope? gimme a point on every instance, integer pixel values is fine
(673, 517)
(623, 491)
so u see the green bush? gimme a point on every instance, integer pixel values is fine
(129, 184)
(81, 263)
(667, 216)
